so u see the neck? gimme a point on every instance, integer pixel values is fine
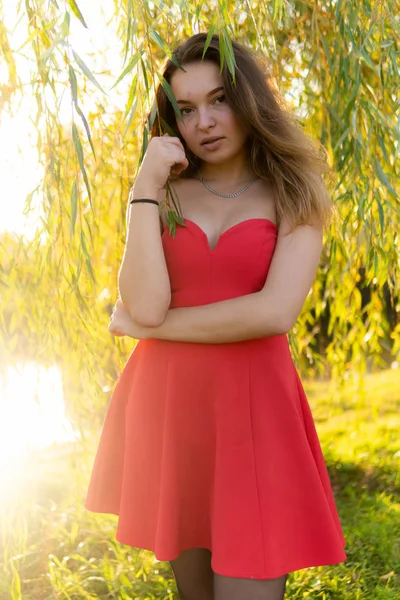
(231, 175)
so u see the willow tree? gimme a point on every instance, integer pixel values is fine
(336, 66)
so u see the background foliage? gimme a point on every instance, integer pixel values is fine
(336, 64)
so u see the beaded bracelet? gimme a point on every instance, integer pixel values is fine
(144, 200)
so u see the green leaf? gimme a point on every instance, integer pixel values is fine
(383, 148)
(334, 114)
(144, 72)
(164, 47)
(167, 89)
(369, 61)
(394, 59)
(87, 128)
(337, 10)
(79, 152)
(229, 54)
(132, 63)
(278, 10)
(64, 29)
(74, 205)
(131, 95)
(73, 83)
(208, 39)
(128, 31)
(199, 6)
(383, 178)
(221, 52)
(327, 51)
(87, 257)
(344, 135)
(381, 216)
(87, 71)
(167, 128)
(75, 9)
(74, 90)
(153, 114)
(132, 113)
(145, 143)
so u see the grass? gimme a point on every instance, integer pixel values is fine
(53, 548)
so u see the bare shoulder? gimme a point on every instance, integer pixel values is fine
(313, 227)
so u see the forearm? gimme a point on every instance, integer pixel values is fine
(234, 320)
(143, 279)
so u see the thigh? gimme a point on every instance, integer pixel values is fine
(193, 574)
(235, 588)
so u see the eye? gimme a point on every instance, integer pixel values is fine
(220, 98)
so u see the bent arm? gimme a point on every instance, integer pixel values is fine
(143, 279)
(271, 311)
(232, 320)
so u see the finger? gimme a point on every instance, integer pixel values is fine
(171, 140)
(180, 166)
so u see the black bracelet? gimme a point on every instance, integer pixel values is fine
(144, 200)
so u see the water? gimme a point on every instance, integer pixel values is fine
(32, 418)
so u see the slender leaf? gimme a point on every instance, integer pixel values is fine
(131, 95)
(229, 54)
(87, 71)
(383, 178)
(75, 9)
(74, 204)
(144, 73)
(167, 89)
(73, 83)
(381, 217)
(128, 31)
(87, 257)
(87, 128)
(131, 115)
(383, 148)
(221, 52)
(208, 39)
(166, 127)
(164, 47)
(131, 65)
(79, 152)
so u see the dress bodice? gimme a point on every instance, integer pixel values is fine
(236, 266)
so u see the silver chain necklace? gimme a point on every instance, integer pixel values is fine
(227, 195)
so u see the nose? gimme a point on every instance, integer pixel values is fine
(205, 119)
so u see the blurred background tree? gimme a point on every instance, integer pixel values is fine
(336, 65)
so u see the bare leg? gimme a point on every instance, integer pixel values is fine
(193, 574)
(234, 588)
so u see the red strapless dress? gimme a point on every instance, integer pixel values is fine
(214, 445)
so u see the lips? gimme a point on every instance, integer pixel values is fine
(210, 140)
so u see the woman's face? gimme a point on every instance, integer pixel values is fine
(206, 113)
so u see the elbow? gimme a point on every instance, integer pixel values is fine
(284, 324)
(147, 313)
(148, 316)
(149, 320)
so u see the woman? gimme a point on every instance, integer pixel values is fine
(209, 453)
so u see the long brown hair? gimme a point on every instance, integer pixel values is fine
(280, 152)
